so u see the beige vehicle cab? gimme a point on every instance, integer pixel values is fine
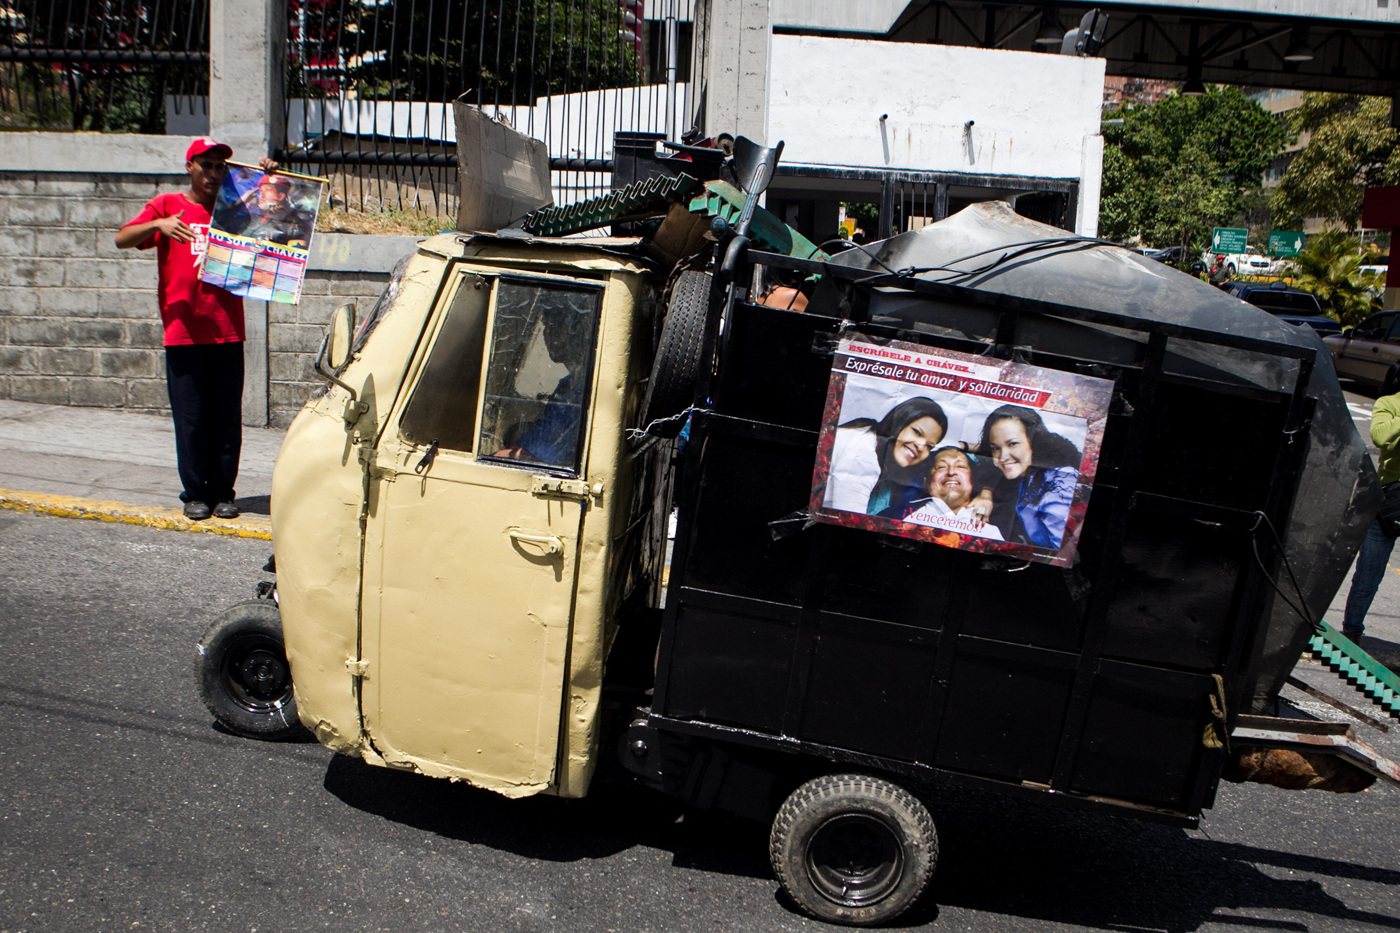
(440, 505)
(475, 578)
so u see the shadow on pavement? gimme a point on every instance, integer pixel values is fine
(999, 855)
(1386, 652)
(254, 505)
(613, 818)
(1012, 857)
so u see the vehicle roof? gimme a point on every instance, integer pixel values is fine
(605, 254)
(1246, 287)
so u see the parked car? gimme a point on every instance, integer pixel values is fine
(1369, 352)
(1247, 263)
(1375, 278)
(1287, 304)
(1171, 255)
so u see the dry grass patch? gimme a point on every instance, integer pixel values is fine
(381, 223)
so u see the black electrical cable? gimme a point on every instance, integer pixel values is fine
(1254, 546)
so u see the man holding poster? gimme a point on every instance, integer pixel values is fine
(1010, 462)
(203, 332)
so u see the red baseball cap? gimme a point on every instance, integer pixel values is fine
(204, 144)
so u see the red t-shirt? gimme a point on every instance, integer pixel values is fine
(192, 311)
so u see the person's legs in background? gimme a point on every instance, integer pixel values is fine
(205, 382)
(1371, 565)
(224, 417)
(182, 380)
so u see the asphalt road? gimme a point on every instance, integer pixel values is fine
(122, 807)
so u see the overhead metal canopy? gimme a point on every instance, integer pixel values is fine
(1354, 44)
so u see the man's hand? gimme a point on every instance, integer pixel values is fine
(981, 507)
(267, 165)
(176, 229)
(133, 235)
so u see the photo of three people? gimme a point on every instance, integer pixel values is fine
(931, 444)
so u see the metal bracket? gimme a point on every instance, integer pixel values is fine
(549, 486)
(356, 667)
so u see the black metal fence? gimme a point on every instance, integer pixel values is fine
(104, 65)
(370, 88)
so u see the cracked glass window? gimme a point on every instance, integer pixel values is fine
(537, 380)
(443, 406)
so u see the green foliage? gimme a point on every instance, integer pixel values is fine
(1352, 146)
(1330, 267)
(1176, 168)
(491, 53)
(98, 95)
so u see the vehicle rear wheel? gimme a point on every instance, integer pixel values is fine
(671, 388)
(243, 675)
(853, 849)
(1391, 384)
(1230, 268)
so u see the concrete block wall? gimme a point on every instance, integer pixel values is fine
(78, 318)
(294, 334)
(79, 324)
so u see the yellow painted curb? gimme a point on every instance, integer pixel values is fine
(152, 516)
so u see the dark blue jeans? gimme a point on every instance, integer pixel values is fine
(206, 401)
(1370, 568)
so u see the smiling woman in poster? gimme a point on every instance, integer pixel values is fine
(871, 460)
(1041, 470)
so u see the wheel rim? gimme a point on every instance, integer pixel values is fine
(256, 675)
(855, 859)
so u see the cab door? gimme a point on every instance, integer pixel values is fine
(1368, 352)
(476, 509)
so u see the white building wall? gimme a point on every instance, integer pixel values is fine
(1031, 112)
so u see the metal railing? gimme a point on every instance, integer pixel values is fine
(370, 88)
(105, 65)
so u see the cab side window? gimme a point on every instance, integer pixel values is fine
(538, 376)
(443, 406)
(1375, 327)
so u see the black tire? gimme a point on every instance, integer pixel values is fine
(1230, 268)
(677, 365)
(1391, 383)
(243, 674)
(853, 849)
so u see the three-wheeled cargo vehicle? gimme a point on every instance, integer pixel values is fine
(471, 533)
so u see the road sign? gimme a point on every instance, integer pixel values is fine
(1285, 242)
(1229, 240)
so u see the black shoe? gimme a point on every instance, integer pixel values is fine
(196, 511)
(225, 510)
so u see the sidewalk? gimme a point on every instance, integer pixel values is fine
(119, 466)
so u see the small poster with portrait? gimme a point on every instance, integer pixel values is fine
(979, 454)
(260, 233)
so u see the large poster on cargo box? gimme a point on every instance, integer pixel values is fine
(964, 451)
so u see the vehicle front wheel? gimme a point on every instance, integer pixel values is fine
(853, 849)
(243, 675)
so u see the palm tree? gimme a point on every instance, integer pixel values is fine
(1330, 268)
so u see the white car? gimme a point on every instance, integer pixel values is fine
(1247, 264)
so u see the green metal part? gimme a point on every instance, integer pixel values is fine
(1349, 661)
(651, 197)
(721, 199)
(640, 199)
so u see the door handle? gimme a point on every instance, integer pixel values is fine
(549, 545)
